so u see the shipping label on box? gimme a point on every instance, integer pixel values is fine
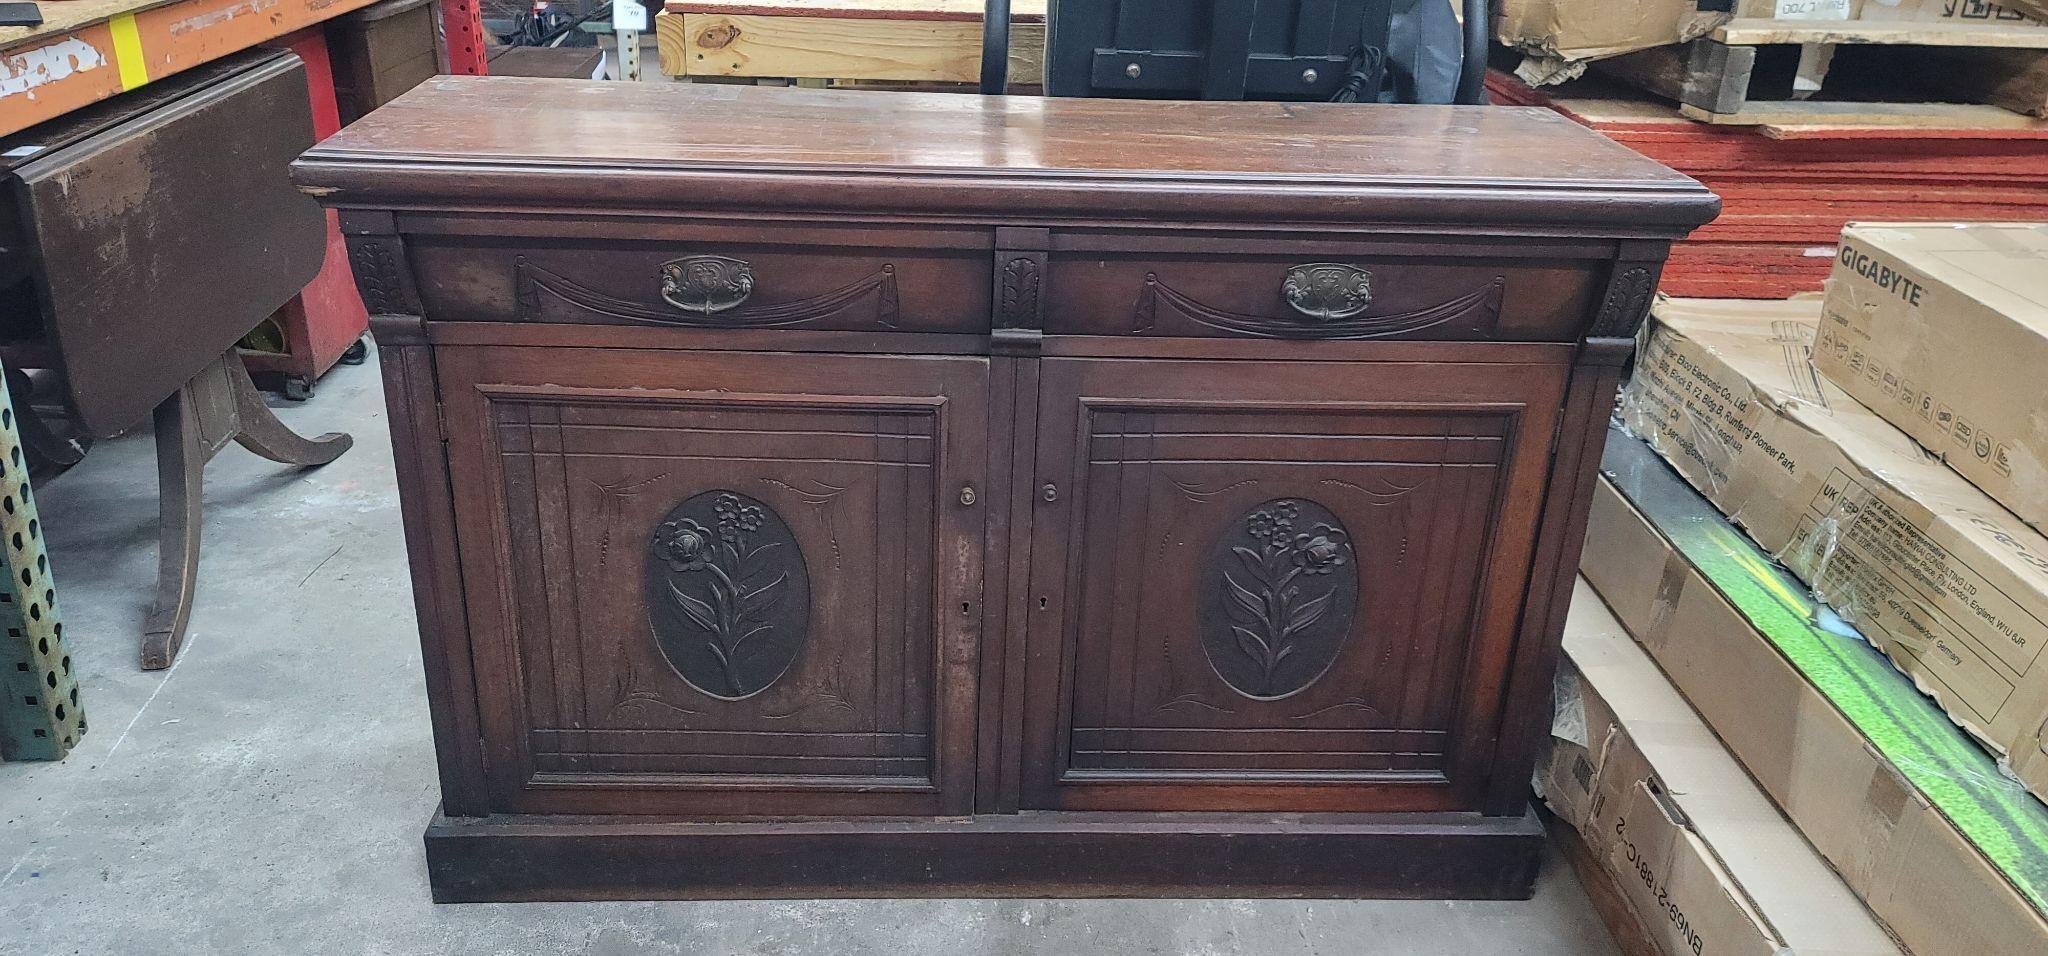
(1949, 583)
(1684, 894)
(1953, 11)
(1812, 9)
(1705, 861)
(1672, 878)
(1976, 12)
(1942, 329)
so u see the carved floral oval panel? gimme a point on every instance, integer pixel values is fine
(727, 593)
(1280, 591)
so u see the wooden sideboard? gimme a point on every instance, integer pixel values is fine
(837, 493)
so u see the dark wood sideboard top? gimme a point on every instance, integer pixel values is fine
(514, 141)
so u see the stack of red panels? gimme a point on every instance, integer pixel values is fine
(1787, 190)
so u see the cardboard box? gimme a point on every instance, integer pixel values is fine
(1565, 34)
(1940, 576)
(1576, 31)
(1702, 857)
(1951, 855)
(1942, 329)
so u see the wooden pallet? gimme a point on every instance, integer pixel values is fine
(1774, 72)
(1787, 190)
(889, 41)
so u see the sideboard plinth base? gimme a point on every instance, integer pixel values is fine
(1046, 854)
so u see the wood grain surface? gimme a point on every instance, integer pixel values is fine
(936, 50)
(472, 139)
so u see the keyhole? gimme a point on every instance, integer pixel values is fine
(964, 606)
(1041, 604)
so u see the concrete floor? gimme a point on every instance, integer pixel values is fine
(266, 794)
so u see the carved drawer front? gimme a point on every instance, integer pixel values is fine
(1308, 293)
(719, 278)
(717, 588)
(1277, 586)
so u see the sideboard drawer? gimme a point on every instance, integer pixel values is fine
(721, 278)
(1320, 295)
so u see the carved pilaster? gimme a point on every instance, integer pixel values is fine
(1018, 291)
(382, 275)
(1020, 276)
(1630, 287)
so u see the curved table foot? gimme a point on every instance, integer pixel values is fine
(259, 430)
(218, 405)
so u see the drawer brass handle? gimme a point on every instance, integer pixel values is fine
(1326, 291)
(706, 284)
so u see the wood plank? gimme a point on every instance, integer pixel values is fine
(944, 51)
(1657, 128)
(1893, 134)
(1711, 76)
(1754, 31)
(1795, 113)
(1026, 11)
(671, 47)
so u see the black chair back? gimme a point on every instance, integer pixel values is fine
(1220, 49)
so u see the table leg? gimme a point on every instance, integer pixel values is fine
(217, 405)
(258, 429)
(180, 477)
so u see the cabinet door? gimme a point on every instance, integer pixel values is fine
(1277, 586)
(706, 583)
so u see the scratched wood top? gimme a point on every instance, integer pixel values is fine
(748, 145)
(506, 119)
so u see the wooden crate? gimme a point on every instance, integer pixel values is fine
(891, 41)
(1786, 190)
(1765, 72)
(379, 52)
